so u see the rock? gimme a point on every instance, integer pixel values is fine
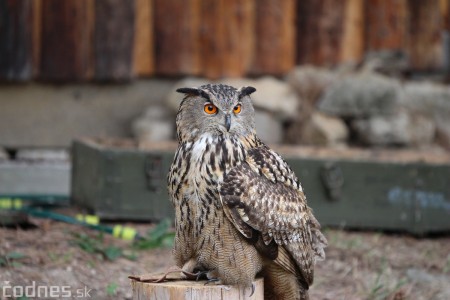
(443, 135)
(3, 154)
(433, 101)
(323, 130)
(401, 129)
(43, 155)
(426, 98)
(389, 62)
(361, 95)
(155, 125)
(174, 98)
(309, 82)
(272, 95)
(268, 128)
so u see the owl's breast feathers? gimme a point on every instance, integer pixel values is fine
(265, 201)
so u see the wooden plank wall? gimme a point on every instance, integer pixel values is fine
(114, 40)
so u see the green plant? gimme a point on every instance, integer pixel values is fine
(111, 289)
(11, 259)
(447, 265)
(95, 246)
(380, 289)
(160, 236)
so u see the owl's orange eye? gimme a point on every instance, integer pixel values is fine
(237, 109)
(210, 109)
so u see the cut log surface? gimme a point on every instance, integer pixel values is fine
(193, 290)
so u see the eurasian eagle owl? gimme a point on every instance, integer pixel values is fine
(240, 209)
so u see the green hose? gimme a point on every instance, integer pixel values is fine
(17, 204)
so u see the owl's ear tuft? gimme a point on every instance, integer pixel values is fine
(246, 90)
(193, 91)
(190, 91)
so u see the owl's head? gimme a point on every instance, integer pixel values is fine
(215, 109)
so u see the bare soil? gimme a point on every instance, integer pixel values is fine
(359, 265)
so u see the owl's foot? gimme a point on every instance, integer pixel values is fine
(201, 275)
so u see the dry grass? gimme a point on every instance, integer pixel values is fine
(359, 265)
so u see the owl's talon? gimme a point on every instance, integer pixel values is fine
(200, 274)
(212, 280)
(253, 289)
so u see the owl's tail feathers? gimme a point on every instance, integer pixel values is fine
(282, 285)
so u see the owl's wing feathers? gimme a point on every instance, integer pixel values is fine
(264, 195)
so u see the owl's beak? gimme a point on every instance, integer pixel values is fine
(228, 121)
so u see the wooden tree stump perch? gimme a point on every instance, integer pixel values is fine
(179, 289)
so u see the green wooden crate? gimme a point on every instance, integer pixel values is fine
(356, 190)
(117, 182)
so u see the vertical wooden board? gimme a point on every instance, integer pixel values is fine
(239, 44)
(66, 40)
(226, 37)
(275, 37)
(306, 24)
(352, 46)
(424, 36)
(37, 35)
(320, 31)
(143, 55)
(16, 39)
(444, 6)
(386, 25)
(212, 38)
(113, 39)
(177, 47)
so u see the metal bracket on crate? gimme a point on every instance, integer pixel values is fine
(333, 180)
(154, 172)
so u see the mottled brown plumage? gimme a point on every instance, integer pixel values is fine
(239, 208)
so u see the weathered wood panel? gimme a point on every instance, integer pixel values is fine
(74, 40)
(352, 47)
(226, 37)
(143, 56)
(424, 37)
(37, 35)
(66, 40)
(275, 36)
(113, 39)
(177, 47)
(16, 25)
(320, 31)
(444, 6)
(386, 25)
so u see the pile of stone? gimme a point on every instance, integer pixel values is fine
(315, 106)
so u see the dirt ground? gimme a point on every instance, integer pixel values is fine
(359, 265)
